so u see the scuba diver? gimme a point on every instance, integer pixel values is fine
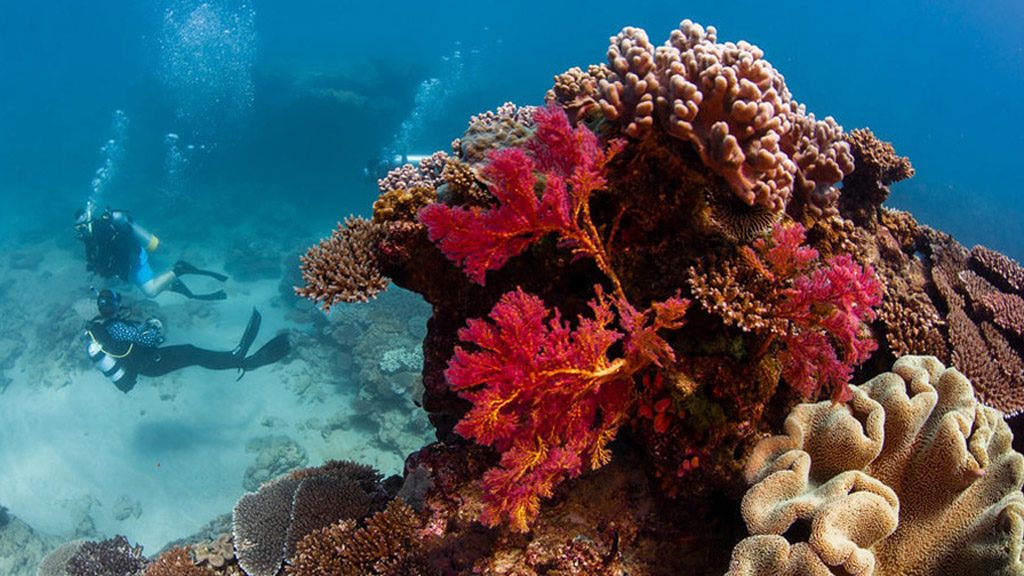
(116, 246)
(123, 348)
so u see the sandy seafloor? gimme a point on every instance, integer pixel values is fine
(80, 458)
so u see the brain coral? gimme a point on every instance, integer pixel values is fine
(912, 476)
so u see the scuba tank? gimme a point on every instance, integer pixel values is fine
(112, 366)
(145, 237)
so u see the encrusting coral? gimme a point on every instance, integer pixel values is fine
(912, 476)
(216, 553)
(402, 204)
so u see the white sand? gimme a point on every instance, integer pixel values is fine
(76, 449)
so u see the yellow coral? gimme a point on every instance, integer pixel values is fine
(402, 204)
(912, 476)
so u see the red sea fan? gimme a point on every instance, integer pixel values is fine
(573, 163)
(544, 395)
(482, 240)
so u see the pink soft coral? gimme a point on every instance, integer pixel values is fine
(833, 301)
(824, 308)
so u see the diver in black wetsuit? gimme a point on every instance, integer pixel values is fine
(116, 246)
(123, 349)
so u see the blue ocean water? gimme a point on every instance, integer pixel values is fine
(209, 116)
(329, 85)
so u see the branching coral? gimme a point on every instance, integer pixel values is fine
(268, 523)
(344, 267)
(878, 166)
(425, 174)
(912, 477)
(387, 545)
(175, 562)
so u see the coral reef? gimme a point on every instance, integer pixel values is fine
(630, 289)
(912, 476)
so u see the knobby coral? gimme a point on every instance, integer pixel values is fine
(727, 101)
(912, 476)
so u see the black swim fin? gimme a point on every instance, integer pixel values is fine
(251, 330)
(179, 287)
(218, 295)
(277, 348)
(181, 268)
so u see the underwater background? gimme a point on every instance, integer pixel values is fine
(241, 132)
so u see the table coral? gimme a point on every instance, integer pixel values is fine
(912, 477)
(268, 523)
